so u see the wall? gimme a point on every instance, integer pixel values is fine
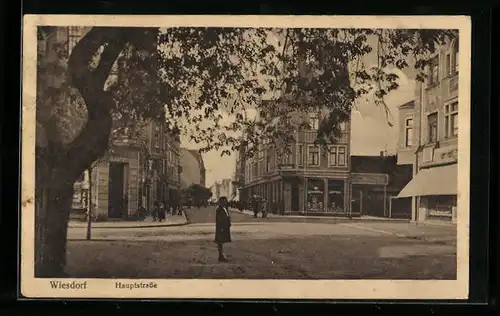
(406, 155)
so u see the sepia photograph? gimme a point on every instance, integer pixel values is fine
(270, 157)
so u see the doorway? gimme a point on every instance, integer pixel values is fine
(295, 197)
(117, 197)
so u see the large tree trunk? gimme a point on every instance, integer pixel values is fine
(58, 165)
(54, 199)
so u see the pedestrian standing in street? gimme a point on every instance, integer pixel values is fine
(154, 211)
(255, 206)
(264, 208)
(161, 211)
(222, 227)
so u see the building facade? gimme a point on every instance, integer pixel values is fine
(309, 179)
(428, 139)
(193, 167)
(136, 173)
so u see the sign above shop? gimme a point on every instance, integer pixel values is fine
(370, 178)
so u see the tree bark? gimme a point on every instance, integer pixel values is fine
(54, 198)
(58, 166)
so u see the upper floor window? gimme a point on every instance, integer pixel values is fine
(455, 58)
(314, 123)
(342, 126)
(432, 123)
(434, 71)
(332, 156)
(451, 120)
(74, 35)
(408, 132)
(268, 163)
(313, 156)
(341, 156)
(300, 155)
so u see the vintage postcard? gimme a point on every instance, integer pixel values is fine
(252, 157)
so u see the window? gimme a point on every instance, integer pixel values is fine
(408, 132)
(455, 58)
(434, 71)
(157, 136)
(342, 126)
(301, 155)
(332, 156)
(341, 156)
(448, 65)
(432, 121)
(74, 35)
(268, 163)
(313, 156)
(314, 123)
(81, 177)
(451, 120)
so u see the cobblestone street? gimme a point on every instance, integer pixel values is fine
(266, 250)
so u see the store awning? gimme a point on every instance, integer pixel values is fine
(433, 181)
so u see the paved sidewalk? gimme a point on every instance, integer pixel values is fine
(337, 218)
(171, 220)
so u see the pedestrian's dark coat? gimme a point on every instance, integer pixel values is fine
(222, 226)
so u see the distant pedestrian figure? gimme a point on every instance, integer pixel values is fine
(161, 211)
(154, 211)
(255, 206)
(264, 208)
(222, 227)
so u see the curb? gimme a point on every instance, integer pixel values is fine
(434, 224)
(325, 218)
(186, 222)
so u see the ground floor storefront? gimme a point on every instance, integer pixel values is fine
(338, 195)
(433, 194)
(122, 184)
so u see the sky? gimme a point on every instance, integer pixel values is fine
(370, 130)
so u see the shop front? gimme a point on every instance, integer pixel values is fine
(434, 193)
(325, 196)
(369, 195)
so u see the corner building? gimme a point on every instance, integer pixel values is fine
(428, 139)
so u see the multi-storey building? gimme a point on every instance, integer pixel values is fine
(428, 138)
(307, 178)
(138, 170)
(193, 168)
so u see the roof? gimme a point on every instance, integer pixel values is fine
(407, 105)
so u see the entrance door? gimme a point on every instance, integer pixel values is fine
(295, 197)
(357, 201)
(116, 198)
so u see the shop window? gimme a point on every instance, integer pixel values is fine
(335, 196)
(432, 123)
(441, 206)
